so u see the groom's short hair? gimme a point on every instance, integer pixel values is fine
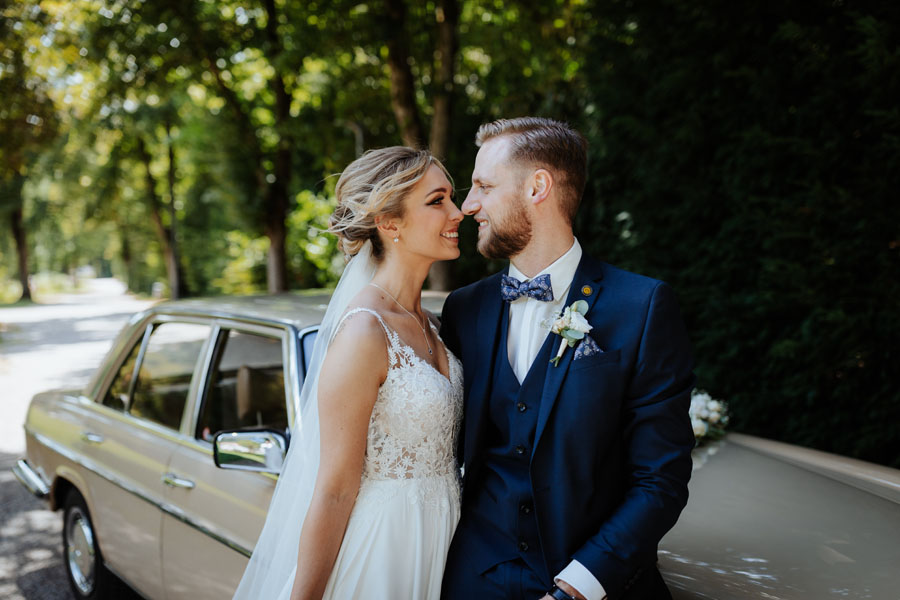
(547, 144)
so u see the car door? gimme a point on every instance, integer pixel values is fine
(206, 547)
(131, 441)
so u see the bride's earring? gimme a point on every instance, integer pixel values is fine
(396, 239)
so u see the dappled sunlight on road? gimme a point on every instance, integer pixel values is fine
(30, 546)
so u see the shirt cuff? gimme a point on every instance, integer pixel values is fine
(577, 575)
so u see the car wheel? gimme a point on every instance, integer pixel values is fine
(87, 575)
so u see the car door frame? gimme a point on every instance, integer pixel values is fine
(116, 421)
(227, 565)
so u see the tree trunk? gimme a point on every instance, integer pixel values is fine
(403, 99)
(276, 268)
(440, 276)
(277, 204)
(358, 136)
(403, 90)
(162, 232)
(447, 17)
(16, 221)
(277, 200)
(181, 288)
(124, 235)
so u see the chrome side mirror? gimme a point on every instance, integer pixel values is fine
(262, 451)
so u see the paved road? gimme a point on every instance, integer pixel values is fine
(57, 344)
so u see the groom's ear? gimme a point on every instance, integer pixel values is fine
(539, 185)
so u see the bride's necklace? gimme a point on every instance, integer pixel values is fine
(422, 327)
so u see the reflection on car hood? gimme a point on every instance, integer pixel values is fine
(760, 525)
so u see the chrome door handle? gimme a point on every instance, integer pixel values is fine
(173, 480)
(91, 438)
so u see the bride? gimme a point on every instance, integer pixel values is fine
(369, 497)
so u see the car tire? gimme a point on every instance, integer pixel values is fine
(88, 576)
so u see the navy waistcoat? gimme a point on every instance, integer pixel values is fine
(501, 512)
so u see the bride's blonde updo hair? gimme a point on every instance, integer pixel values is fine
(375, 185)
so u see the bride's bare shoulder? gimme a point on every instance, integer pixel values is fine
(360, 323)
(358, 348)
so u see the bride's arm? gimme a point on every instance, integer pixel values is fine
(354, 368)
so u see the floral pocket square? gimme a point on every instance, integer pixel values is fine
(587, 347)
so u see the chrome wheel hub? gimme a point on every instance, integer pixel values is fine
(80, 550)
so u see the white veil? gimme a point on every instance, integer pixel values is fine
(270, 572)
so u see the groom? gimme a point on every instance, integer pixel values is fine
(573, 471)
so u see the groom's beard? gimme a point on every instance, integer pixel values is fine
(508, 237)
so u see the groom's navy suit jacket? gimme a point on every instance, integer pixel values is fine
(611, 457)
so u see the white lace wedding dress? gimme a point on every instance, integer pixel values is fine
(407, 508)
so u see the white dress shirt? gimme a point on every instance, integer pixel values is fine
(526, 334)
(524, 340)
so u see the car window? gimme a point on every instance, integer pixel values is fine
(117, 395)
(164, 376)
(308, 342)
(246, 385)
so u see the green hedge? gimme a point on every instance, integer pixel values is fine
(751, 159)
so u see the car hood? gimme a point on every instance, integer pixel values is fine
(761, 523)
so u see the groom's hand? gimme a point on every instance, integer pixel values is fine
(567, 589)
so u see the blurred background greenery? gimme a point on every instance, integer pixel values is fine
(745, 152)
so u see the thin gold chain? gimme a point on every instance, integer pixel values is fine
(422, 327)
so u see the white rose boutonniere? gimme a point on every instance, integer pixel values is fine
(569, 324)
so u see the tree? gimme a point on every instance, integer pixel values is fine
(138, 92)
(403, 89)
(218, 36)
(164, 48)
(27, 117)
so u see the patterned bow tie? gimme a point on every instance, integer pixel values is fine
(538, 288)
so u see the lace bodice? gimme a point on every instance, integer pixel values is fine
(416, 417)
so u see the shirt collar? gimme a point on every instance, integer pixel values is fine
(561, 271)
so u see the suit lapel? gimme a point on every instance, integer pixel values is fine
(487, 344)
(587, 279)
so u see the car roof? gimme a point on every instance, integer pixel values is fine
(297, 309)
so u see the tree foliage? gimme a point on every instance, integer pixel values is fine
(745, 153)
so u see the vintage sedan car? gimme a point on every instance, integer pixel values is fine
(163, 467)
(147, 491)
